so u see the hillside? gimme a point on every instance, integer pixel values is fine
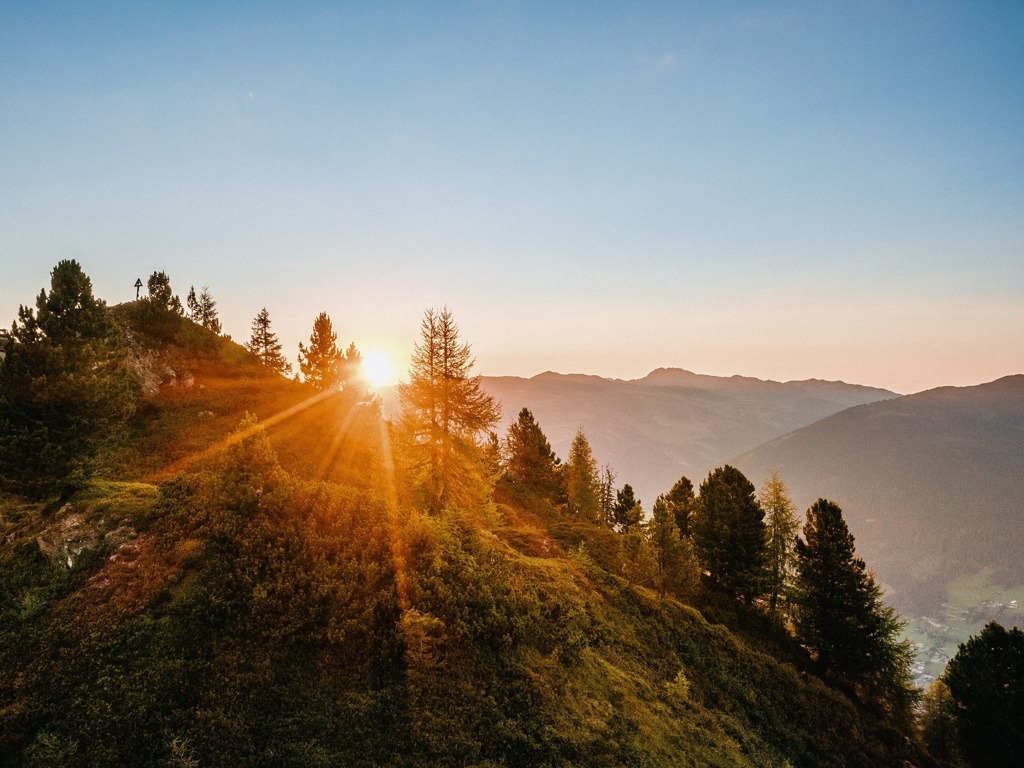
(671, 422)
(932, 484)
(270, 597)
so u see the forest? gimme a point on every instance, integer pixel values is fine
(212, 559)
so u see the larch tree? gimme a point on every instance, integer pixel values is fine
(729, 533)
(66, 392)
(840, 617)
(781, 524)
(582, 481)
(320, 362)
(264, 343)
(445, 418)
(530, 463)
(608, 496)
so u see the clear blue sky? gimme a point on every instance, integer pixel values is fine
(783, 190)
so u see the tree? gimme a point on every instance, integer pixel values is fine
(582, 481)
(986, 681)
(264, 343)
(627, 511)
(608, 496)
(839, 613)
(161, 295)
(444, 413)
(530, 463)
(729, 534)
(66, 392)
(193, 305)
(206, 311)
(781, 525)
(320, 362)
(681, 502)
(675, 566)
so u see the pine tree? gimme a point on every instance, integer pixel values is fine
(681, 502)
(781, 529)
(161, 295)
(729, 534)
(839, 613)
(582, 481)
(65, 389)
(627, 511)
(530, 463)
(264, 343)
(320, 362)
(986, 681)
(444, 415)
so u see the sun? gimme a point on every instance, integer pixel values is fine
(378, 368)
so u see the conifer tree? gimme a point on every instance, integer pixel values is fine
(627, 512)
(840, 616)
(582, 481)
(161, 295)
(320, 362)
(445, 417)
(206, 312)
(65, 388)
(781, 528)
(675, 566)
(985, 679)
(729, 534)
(264, 344)
(530, 462)
(608, 496)
(681, 502)
(193, 304)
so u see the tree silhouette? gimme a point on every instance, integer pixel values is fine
(444, 414)
(264, 344)
(681, 503)
(320, 362)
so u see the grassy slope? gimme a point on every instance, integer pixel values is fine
(308, 625)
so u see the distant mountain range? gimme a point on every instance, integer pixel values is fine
(931, 484)
(670, 423)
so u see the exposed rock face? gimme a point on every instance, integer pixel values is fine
(66, 541)
(153, 371)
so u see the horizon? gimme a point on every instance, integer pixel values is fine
(785, 192)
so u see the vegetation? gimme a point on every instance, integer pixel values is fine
(321, 362)
(65, 390)
(840, 615)
(264, 344)
(729, 533)
(445, 414)
(272, 593)
(781, 524)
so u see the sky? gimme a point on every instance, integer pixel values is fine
(786, 190)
